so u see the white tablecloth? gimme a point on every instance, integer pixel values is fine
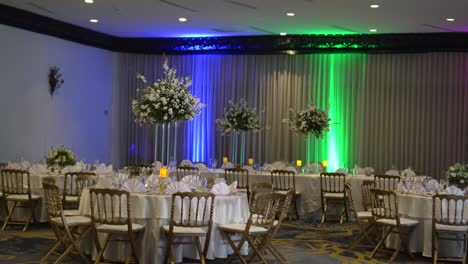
(153, 211)
(420, 208)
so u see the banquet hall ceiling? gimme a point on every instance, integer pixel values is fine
(160, 18)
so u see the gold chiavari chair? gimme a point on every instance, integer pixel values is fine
(449, 217)
(111, 215)
(332, 189)
(259, 226)
(240, 175)
(3, 165)
(134, 170)
(183, 171)
(386, 182)
(283, 181)
(363, 218)
(191, 216)
(73, 185)
(385, 214)
(366, 186)
(16, 188)
(259, 187)
(69, 230)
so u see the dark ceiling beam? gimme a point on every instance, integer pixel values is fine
(265, 44)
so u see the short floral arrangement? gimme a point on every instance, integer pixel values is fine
(311, 120)
(458, 175)
(238, 117)
(167, 100)
(60, 157)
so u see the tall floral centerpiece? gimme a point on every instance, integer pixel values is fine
(458, 175)
(238, 119)
(166, 102)
(311, 121)
(60, 157)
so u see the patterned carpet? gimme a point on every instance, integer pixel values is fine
(300, 242)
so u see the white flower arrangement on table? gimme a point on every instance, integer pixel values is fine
(311, 120)
(458, 175)
(60, 157)
(238, 117)
(167, 100)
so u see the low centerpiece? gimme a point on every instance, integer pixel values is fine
(165, 102)
(238, 119)
(60, 157)
(457, 175)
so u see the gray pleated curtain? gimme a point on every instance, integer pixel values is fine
(390, 109)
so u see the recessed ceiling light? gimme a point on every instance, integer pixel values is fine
(290, 14)
(182, 19)
(373, 30)
(374, 6)
(93, 20)
(89, 1)
(450, 19)
(283, 34)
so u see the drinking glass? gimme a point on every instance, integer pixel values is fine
(214, 164)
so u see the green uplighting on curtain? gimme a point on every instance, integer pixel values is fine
(333, 85)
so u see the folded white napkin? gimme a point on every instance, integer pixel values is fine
(432, 185)
(359, 171)
(291, 168)
(175, 187)
(221, 188)
(38, 168)
(249, 168)
(152, 179)
(369, 170)
(134, 186)
(341, 171)
(454, 190)
(186, 163)
(393, 172)
(419, 189)
(157, 165)
(191, 180)
(233, 187)
(315, 167)
(408, 173)
(103, 169)
(267, 167)
(13, 166)
(71, 169)
(25, 164)
(104, 183)
(227, 165)
(201, 167)
(278, 165)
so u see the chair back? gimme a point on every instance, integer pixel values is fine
(366, 187)
(74, 183)
(192, 209)
(3, 165)
(52, 199)
(386, 182)
(110, 207)
(384, 205)
(264, 209)
(449, 210)
(350, 200)
(332, 182)
(283, 180)
(259, 187)
(183, 171)
(134, 170)
(239, 175)
(16, 182)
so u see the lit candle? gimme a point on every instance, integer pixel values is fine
(251, 161)
(299, 163)
(225, 159)
(325, 163)
(163, 172)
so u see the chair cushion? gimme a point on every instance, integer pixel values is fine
(403, 222)
(239, 228)
(71, 198)
(119, 228)
(186, 231)
(71, 212)
(22, 197)
(284, 192)
(73, 220)
(364, 214)
(451, 228)
(333, 195)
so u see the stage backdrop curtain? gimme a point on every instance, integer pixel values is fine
(401, 110)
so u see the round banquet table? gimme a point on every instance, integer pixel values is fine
(154, 210)
(308, 185)
(419, 207)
